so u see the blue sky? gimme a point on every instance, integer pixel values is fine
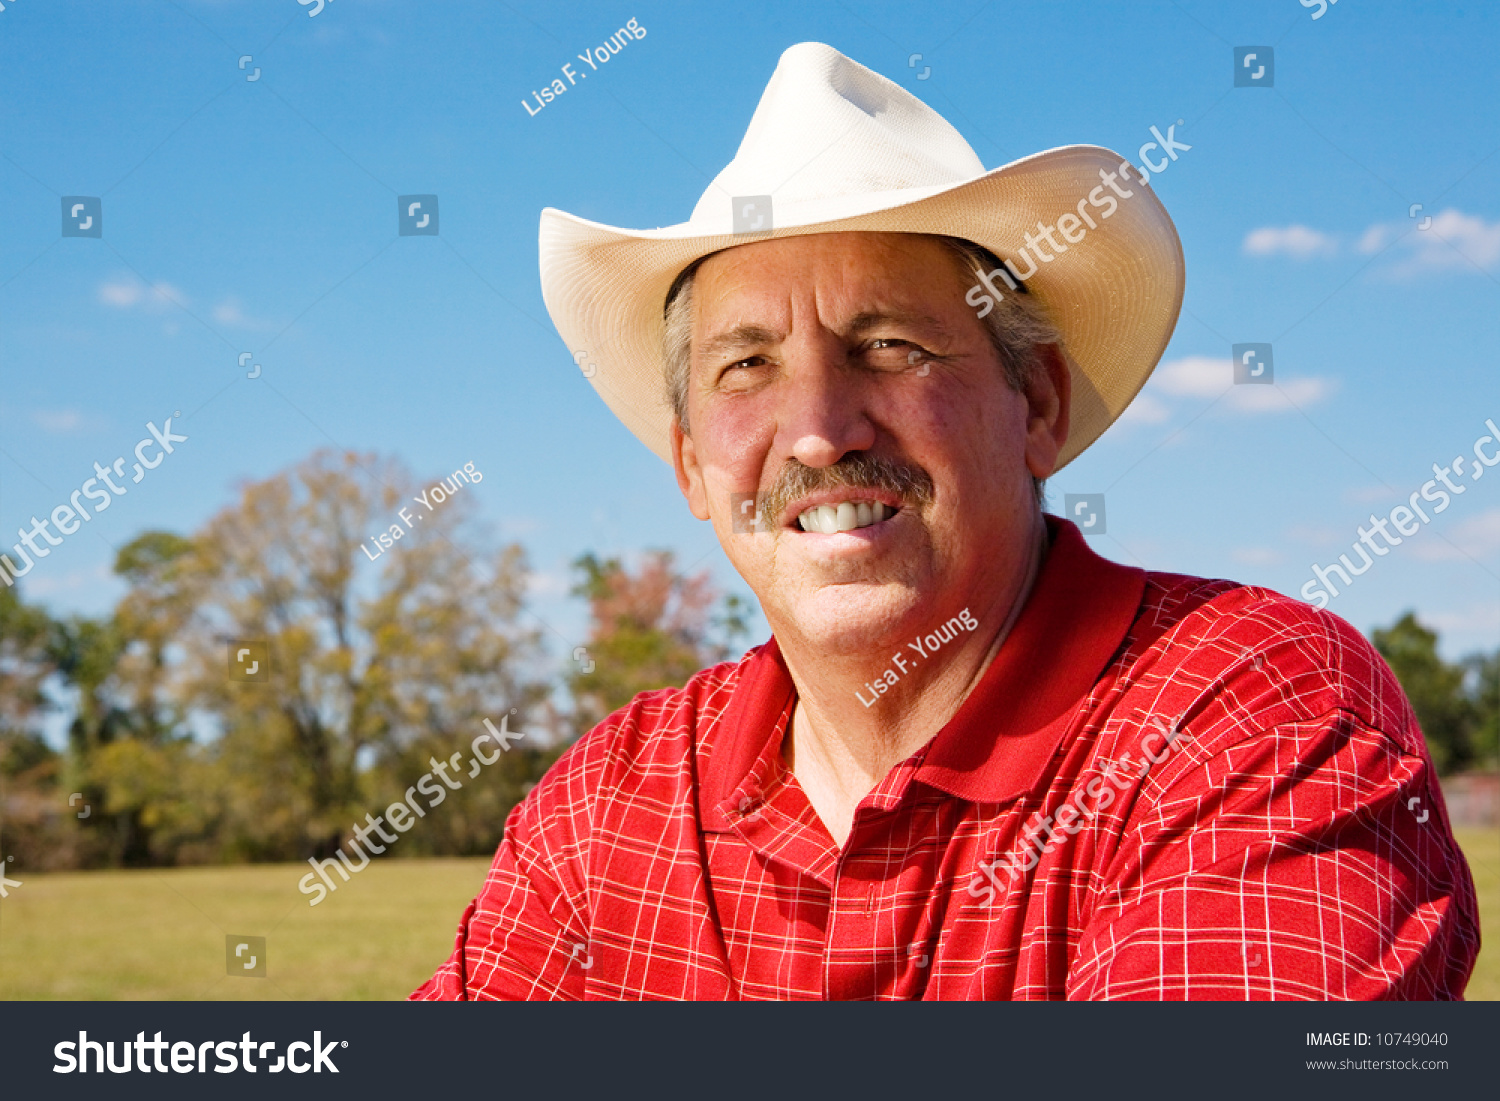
(259, 216)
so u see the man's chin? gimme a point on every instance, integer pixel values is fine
(849, 618)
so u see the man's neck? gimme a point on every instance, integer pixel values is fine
(839, 747)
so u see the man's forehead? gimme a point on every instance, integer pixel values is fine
(896, 268)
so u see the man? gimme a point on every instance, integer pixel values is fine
(975, 760)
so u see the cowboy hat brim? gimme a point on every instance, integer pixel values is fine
(1114, 293)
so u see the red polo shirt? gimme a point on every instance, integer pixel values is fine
(1162, 787)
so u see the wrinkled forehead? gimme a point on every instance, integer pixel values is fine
(908, 267)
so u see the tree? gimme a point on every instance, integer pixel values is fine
(1482, 673)
(23, 664)
(371, 655)
(30, 815)
(1435, 689)
(653, 628)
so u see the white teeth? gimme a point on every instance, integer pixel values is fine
(845, 516)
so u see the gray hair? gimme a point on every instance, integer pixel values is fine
(1017, 326)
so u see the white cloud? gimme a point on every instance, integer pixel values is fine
(228, 312)
(1193, 377)
(1208, 378)
(1146, 409)
(1451, 240)
(1298, 242)
(1374, 239)
(123, 294)
(1456, 240)
(1285, 397)
(1478, 537)
(127, 293)
(58, 421)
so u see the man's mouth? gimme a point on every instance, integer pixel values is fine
(832, 518)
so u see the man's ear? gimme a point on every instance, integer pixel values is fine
(1049, 397)
(689, 473)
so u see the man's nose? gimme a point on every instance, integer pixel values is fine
(824, 417)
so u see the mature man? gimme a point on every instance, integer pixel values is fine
(976, 760)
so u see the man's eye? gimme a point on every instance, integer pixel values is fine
(895, 352)
(734, 374)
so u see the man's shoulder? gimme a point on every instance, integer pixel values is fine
(1301, 661)
(659, 731)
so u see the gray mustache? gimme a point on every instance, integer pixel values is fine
(910, 483)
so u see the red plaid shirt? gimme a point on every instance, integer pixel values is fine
(1254, 815)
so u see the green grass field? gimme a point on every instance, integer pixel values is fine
(160, 934)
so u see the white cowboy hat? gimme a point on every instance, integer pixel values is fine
(837, 148)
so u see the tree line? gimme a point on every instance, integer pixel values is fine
(184, 749)
(375, 667)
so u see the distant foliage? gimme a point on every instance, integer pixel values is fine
(377, 668)
(650, 628)
(374, 667)
(1457, 705)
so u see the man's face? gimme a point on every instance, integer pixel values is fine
(846, 346)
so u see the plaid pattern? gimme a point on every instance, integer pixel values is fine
(1254, 816)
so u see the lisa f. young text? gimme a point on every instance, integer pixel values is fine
(429, 500)
(595, 57)
(924, 648)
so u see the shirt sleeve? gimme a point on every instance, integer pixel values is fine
(1313, 860)
(526, 935)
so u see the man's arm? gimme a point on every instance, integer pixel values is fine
(526, 935)
(1313, 860)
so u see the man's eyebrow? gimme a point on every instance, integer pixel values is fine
(862, 323)
(745, 336)
(741, 336)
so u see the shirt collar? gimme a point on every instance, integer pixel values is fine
(1008, 727)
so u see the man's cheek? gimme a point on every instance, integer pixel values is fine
(733, 444)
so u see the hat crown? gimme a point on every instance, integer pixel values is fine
(826, 127)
